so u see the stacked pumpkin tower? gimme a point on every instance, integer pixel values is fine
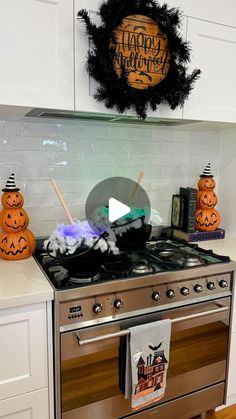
(16, 241)
(207, 217)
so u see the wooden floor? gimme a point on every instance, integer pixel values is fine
(228, 413)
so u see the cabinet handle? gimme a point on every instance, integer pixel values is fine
(126, 332)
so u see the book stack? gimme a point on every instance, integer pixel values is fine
(190, 206)
(184, 209)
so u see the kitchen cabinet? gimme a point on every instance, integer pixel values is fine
(85, 86)
(29, 406)
(36, 43)
(214, 52)
(25, 363)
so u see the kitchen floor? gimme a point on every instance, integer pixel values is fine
(228, 413)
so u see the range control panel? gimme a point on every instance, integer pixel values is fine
(150, 297)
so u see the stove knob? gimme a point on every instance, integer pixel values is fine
(97, 308)
(198, 288)
(211, 286)
(156, 296)
(170, 293)
(223, 284)
(118, 304)
(185, 291)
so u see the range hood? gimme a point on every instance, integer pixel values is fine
(114, 118)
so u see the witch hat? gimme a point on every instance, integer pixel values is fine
(11, 185)
(207, 171)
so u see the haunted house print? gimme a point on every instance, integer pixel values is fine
(151, 374)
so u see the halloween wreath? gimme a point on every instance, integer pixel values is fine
(138, 57)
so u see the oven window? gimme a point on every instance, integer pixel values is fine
(91, 373)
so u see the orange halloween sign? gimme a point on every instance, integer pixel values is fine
(141, 50)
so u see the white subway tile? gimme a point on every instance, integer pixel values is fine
(24, 143)
(162, 135)
(37, 128)
(53, 144)
(4, 144)
(181, 136)
(12, 158)
(80, 154)
(160, 159)
(12, 127)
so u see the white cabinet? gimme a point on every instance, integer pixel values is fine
(214, 52)
(85, 86)
(36, 44)
(25, 362)
(29, 406)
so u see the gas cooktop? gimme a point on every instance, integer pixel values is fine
(75, 271)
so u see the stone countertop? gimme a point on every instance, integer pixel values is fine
(22, 282)
(226, 247)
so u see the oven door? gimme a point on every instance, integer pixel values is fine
(198, 352)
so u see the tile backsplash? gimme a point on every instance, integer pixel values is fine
(81, 154)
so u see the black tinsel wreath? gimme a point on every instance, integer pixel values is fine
(114, 90)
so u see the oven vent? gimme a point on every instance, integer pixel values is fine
(122, 119)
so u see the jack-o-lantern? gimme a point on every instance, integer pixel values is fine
(207, 217)
(206, 183)
(16, 246)
(207, 220)
(16, 242)
(12, 200)
(142, 51)
(207, 199)
(13, 220)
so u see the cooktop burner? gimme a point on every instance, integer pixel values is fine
(158, 256)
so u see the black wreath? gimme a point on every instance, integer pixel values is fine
(114, 90)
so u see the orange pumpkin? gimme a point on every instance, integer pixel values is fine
(12, 200)
(13, 220)
(206, 183)
(207, 220)
(207, 199)
(16, 246)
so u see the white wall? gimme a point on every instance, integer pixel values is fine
(79, 155)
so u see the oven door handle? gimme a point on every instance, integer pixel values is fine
(126, 332)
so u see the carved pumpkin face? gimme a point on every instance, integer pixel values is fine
(13, 220)
(12, 200)
(207, 199)
(16, 246)
(206, 183)
(207, 220)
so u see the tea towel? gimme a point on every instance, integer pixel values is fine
(147, 357)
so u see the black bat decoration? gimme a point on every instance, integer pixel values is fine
(154, 348)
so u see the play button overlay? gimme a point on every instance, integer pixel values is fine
(117, 202)
(117, 210)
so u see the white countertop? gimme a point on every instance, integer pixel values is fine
(22, 282)
(225, 247)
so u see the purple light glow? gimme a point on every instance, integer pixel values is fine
(79, 230)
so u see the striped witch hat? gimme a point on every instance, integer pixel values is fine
(11, 185)
(207, 171)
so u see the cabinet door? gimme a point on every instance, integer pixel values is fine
(23, 350)
(36, 44)
(214, 52)
(85, 86)
(28, 406)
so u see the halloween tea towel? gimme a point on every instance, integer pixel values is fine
(147, 356)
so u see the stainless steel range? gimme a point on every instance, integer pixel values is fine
(98, 297)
